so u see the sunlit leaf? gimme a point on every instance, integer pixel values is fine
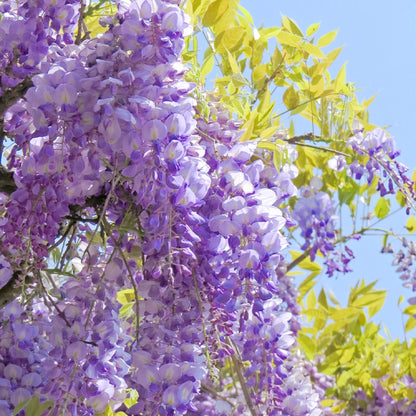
(340, 78)
(215, 11)
(411, 224)
(286, 38)
(312, 29)
(291, 98)
(326, 39)
(382, 208)
(291, 26)
(307, 345)
(207, 65)
(229, 39)
(246, 14)
(410, 324)
(312, 50)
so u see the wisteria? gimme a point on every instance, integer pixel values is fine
(144, 263)
(379, 162)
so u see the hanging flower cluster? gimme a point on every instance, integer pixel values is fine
(379, 160)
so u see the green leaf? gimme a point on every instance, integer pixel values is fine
(411, 224)
(267, 134)
(233, 63)
(348, 191)
(32, 406)
(214, 12)
(382, 208)
(345, 314)
(44, 407)
(21, 406)
(343, 379)
(246, 14)
(322, 299)
(207, 65)
(313, 50)
(291, 98)
(125, 296)
(311, 300)
(326, 39)
(312, 29)
(248, 127)
(370, 299)
(410, 324)
(340, 78)
(286, 38)
(229, 39)
(292, 128)
(410, 310)
(308, 345)
(259, 72)
(306, 263)
(291, 26)
(331, 56)
(306, 285)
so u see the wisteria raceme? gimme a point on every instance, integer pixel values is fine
(404, 261)
(380, 153)
(27, 30)
(75, 356)
(383, 401)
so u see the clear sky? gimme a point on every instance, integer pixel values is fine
(379, 39)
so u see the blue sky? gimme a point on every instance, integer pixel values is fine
(379, 39)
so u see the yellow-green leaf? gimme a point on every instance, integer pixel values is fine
(259, 72)
(410, 324)
(207, 65)
(312, 29)
(327, 402)
(229, 39)
(410, 310)
(269, 32)
(382, 208)
(291, 98)
(311, 300)
(248, 127)
(326, 39)
(233, 63)
(286, 38)
(246, 14)
(313, 50)
(308, 345)
(370, 298)
(346, 314)
(266, 134)
(340, 78)
(317, 85)
(214, 12)
(322, 299)
(331, 56)
(343, 379)
(411, 224)
(291, 26)
(125, 296)
(339, 407)
(306, 285)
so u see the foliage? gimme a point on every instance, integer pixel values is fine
(151, 193)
